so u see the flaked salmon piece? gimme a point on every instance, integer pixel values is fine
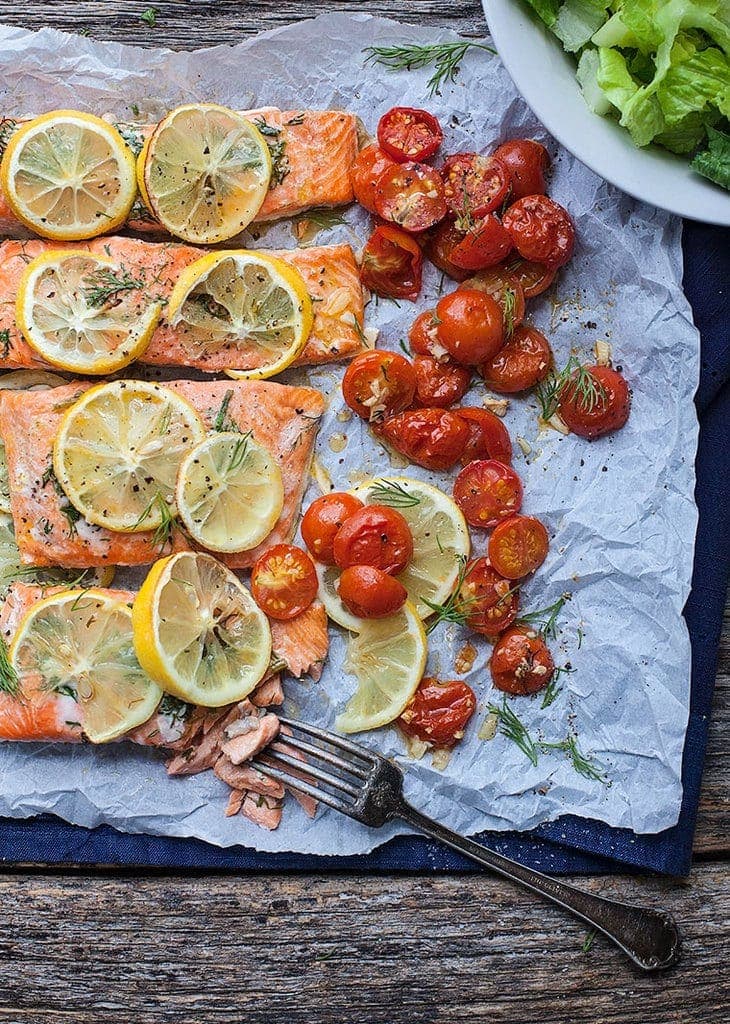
(235, 802)
(302, 642)
(205, 749)
(317, 150)
(283, 419)
(249, 736)
(269, 693)
(329, 271)
(262, 810)
(308, 804)
(246, 777)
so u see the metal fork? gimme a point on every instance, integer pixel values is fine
(369, 788)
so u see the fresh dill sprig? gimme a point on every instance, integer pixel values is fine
(104, 284)
(453, 609)
(165, 420)
(5, 342)
(405, 349)
(71, 514)
(574, 381)
(390, 492)
(238, 455)
(222, 421)
(149, 17)
(9, 682)
(131, 133)
(8, 127)
(508, 312)
(174, 709)
(551, 692)
(582, 764)
(162, 534)
(445, 58)
(589, 940)
(546, 619)
(277, 148)
(514, 729)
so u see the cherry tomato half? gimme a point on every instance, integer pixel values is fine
(323, 519)
(470, 326)
(411, 196)
(374, 535)
(370, 593)
(423, 336)
(406, 133)
(541, 230)
(487, 491)
(284, 581)
(488, 437)
(521, 662)
(437, 712)
(378, 384)
(518, 546)
(505, 290)
(433, 438)
(475, 184)
(485, 244)
(440, 244)
(526, 162)
(440, 382)
(535, 278)
(488, 600)
(599, 407)
(523, 362)
(392, 264)
(369, 165)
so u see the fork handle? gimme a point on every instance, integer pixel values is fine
(649, 937)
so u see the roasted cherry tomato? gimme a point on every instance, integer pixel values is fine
(323, 519)
(437, 712)
(487, 600)
(411, 196)
(487, 491)
(378, 384)
(440, 383)
(521, 662)
(284, 581)
(439, 246)
(406, 133)
(370, 593)
(523, 362)
(392, 264)
(541, 230)
(433, 438)
(369, 165)
(374, 535)
(526, 162)
(475, 184)
(505, 290)
(596, 401)
(535, 278)
(518, 546)
(488, 437)
(485, 244)
(423, 336)
(470, 326)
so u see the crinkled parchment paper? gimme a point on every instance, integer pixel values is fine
(620, 510)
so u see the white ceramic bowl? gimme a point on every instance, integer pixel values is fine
(545, 76)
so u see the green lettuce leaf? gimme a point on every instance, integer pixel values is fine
(686, 135)
(587, 75)
(578, 20)
(694, 84)
(714, 162)
(546, 10)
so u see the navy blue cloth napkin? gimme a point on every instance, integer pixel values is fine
(571, 844)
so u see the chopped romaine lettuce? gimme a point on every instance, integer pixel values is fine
(714, 162)
(577, 21)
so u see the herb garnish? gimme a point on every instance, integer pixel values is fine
(71, 514)
(222, 421)
(514, 729)
(581, 764)
(103, 284)
(9, 682)
(5, 342)
(131, 134)
(149, 17)
(390, 492)
(445, 57)
(508, 314)
(162, 535)
(547, 627)
(238, 454)
(277, 148)
(8, 126)
(575, 382)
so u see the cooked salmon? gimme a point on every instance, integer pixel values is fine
(329, 271)
(248, 736)
(302, 642)
(316, 150)
(283, 419)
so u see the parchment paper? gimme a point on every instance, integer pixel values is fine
(620, 510)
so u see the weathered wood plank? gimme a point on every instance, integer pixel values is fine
(335, 949)
(712, 838)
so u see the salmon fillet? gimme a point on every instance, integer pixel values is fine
(329, 271)
(283, 419)
(302, 642)
(317, 150)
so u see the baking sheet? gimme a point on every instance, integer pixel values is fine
(620, 511)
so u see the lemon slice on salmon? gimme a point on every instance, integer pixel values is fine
(198, 631)
(440, 545)
(229, 492)
(81, 641)
(204, 172)
(254, 306)
(83, 312)
(388, 657)
(118, 450)
(69, 175)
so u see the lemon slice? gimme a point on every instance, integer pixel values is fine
(229, 492)
(83, 312)
(198, 631)
(81, 640)
(255, 306)
(204, 172)
(117, 453)
(388, 657)
(440, 543)
(69, 175)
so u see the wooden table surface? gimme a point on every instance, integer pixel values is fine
(85, 946)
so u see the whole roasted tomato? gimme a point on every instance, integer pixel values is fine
(595, 401)
(470, 326)
(323, 519)
(520, 364)
(438, 712)
(440, 382)
(374, 535)
(392, 264)
(433, 438)
(488, 436)
(370, 593)
(369, 165)
(527, 162)
(521, 662)
(541, 230)
(378, 384)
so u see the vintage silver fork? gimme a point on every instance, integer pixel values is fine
(369, 788)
